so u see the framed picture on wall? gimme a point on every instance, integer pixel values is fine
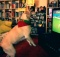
(52, 3)
(30, 2)
(58, 3)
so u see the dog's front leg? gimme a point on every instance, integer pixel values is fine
(30, 41)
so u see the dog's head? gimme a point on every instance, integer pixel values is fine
(25, 15)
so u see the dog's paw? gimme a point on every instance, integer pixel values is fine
(34, 45)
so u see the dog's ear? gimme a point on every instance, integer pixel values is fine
(27, 14)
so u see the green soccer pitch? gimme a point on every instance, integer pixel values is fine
(56, 24)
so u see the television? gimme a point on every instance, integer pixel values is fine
(56, 20)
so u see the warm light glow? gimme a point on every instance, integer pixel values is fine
(30, 2)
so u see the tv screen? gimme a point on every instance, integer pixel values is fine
(56, 20)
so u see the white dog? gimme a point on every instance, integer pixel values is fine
(13, 36)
